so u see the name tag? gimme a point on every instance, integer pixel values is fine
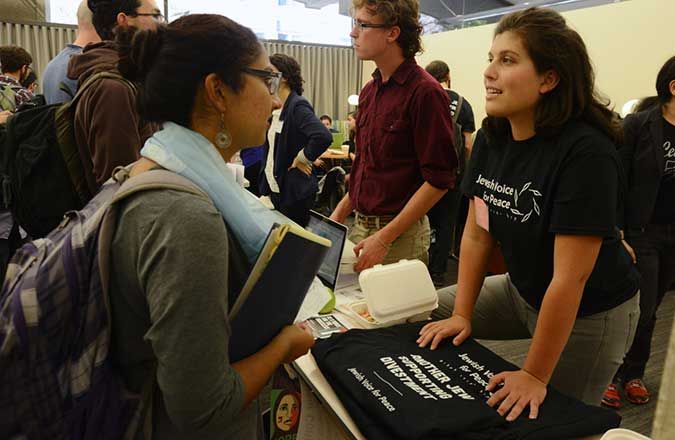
(481, 212)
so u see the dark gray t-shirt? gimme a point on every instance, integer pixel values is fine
(172, 267)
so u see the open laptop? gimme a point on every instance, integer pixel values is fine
(337, 234)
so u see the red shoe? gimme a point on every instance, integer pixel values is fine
(611, 397)
(636, 392)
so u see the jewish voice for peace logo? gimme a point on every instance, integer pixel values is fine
(525, 202)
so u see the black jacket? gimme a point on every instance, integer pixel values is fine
(302, 130)
(643, 162)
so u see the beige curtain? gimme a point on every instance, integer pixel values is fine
(43, 42)
(331, 73)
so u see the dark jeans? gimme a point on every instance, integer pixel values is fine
(297, 211)
(655, 251)
(442, 217)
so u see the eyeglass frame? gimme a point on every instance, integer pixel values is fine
(158, 16)
(273, 86)
(361, 25)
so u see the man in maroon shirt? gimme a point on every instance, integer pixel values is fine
(406, 160)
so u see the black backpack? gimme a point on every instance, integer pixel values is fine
(41, 171)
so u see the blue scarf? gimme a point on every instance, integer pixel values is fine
(194, 157)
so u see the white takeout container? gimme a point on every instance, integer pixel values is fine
(395, 293)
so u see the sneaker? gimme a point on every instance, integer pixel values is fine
(636, 392)
(611, 397)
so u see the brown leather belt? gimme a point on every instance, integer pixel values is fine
(373, 221)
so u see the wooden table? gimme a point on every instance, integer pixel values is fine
(334, 154)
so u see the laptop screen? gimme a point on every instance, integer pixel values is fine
(337, 234)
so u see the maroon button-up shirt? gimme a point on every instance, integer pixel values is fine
(404, 137)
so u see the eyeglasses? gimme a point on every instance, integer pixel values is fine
(361, 25)
(158, 16)
(272, 79)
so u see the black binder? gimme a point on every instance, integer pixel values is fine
(276, 288)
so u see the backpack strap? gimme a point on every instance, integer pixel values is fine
(65, 89)
(460, 101)
(7, 98)
(98, 76)
(149, 180)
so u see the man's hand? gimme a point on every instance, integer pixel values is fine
(370, 251)
(303, 167)
(520, 389)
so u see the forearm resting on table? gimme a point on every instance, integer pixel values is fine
(573, 262)
(554, 326)
(418, 205)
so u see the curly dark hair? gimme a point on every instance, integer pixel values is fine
(402, 13)
(104, 14)
(13, 58)
(290, 69)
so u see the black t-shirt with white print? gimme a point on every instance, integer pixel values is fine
(537, 188)
(664, 209)
(395, 390)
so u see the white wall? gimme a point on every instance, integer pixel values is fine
(627, 41)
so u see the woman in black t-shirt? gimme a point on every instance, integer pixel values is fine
(649, 224)
(544, 184)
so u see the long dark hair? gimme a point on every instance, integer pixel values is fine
(171, 62)
(552, 45)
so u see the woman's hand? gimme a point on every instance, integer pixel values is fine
(297, 341)
(434, 332)
(520, 389)
(302, 166)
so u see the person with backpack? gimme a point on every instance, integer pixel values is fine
(546, 182)
(108, 129)
(443, 215)
(172, 259)
(648, 155)
(15, 66)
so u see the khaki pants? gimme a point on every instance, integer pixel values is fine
(593, 353)
(412, 244)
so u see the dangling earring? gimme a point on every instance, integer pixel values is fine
(223, 138)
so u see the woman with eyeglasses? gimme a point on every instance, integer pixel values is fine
(545, 183)
(295, 139)
(178, 260)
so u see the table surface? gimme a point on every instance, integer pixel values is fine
(308, 370)
(332, 153)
